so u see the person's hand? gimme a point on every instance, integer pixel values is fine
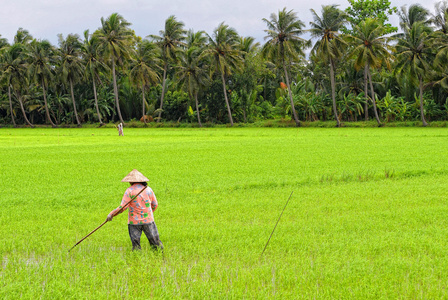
(110, 217)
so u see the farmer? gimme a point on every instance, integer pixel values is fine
(140, 211)
(120, 129)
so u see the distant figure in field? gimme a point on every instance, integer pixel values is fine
(120, 129)
(140, 217)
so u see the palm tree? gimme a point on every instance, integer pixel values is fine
(93, 64)
(3, 42)
(370, 50)
(23, 37)
(20, 80)
(247, 45)
(71, 65)
(170, 40)
(41, 64)
(6, 66)
(196, 39)
(247, 78)
(414, 55)
(440, 36)
(440, 41)
(441, 63)
(192, 69)
(284, 44)
(142, 72)
(14, 70)
(223, 48)
(440, 18)
(115, 37)
(330, 45)
(415, 13)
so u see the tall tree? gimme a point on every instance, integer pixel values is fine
(415, 56)
(440, 17)
(170, 40)
(3, 42)
(441, 66)
(370, 50)
(6, 65)
(71, 65)
(196, 39)
(115, 38)
(440, 36)
(93, 64)
(4, 77)
(329, 45)
(284, 44)
(360, 10)
(247, 45)
(41, 63)
(192, 69)
(143, 69)
(14, 72)
(23, 37)
(415, 13)
(248, 78)
(21, 80)
(223, 48)
(440, 41)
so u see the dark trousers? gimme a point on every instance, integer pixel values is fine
(150, 230)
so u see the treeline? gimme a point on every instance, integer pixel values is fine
(356, 67)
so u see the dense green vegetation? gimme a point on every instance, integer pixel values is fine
(356, 66)
(367, 218)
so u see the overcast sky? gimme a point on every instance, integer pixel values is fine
(44, 19)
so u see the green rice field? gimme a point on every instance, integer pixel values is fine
(368, 217)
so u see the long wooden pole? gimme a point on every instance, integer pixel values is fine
(118, 212)
(276, 224)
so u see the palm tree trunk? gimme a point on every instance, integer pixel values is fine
(117, 104)
(163, 91)
(333, 93)
(197, 108)
(47, 112)
(54, 115)
(96, 101)
(19, 97)
(113, 112)
(74, 104)
(293, 109)
(366, 93)
(225, 97)
(143, 104)
(373, 99)
(422, 111)
(10, 106)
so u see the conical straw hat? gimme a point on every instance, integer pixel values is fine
(135, 176)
